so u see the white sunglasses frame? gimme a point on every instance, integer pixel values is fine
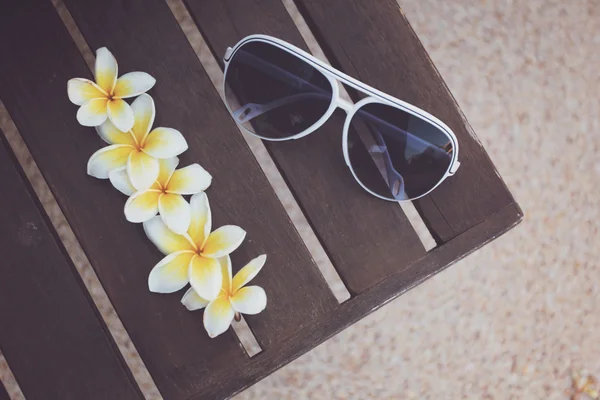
(335, 76)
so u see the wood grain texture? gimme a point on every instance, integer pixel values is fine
(366, 239)
(364, 304)
(171, 340)
(373, 41)
(52, 335)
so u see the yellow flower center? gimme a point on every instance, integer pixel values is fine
(136, 145)
(161, 188)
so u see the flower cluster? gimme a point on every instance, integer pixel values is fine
(141, 162)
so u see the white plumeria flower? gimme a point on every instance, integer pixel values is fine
(233, 300)
(105, 97)
(165, 196)
(138, 149)
(192, 257)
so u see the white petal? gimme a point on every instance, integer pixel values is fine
(248, 272)
(93, 113)
(218, 316)
(144, 112)
(249, 300)
(120, 181)
(226, 273)
(107, 159)
(171, 273)
(165, 239)
(175, 211)
(111, 135)
(142, 206)
(133, 84)
(223, 241)
(201, 222)
(120, 114)
(142, 169)
(189, 180)
(166, 168)
(165, 143)
(193, 301)
(106, 69)
(80, 91)
(205, 277)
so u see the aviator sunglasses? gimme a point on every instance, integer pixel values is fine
(277, 92)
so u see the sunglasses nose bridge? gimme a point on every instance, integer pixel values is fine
(344, 105)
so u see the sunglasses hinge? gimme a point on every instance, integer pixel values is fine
(228, 53)
(454, 167)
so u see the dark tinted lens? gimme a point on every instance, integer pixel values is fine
(273, 93)
(395, 154)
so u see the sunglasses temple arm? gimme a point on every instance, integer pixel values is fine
(250, 111)
(395, 180)
(375, 145)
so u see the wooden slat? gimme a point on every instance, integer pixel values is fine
(52, 335)
(146, 35)
(367, 239)
(171, 341)
(373, 41)
(364, 304)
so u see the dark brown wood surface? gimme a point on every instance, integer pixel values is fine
(373, 41)
(51, 334)
(366, 239)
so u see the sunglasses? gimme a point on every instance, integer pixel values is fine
(277, 92)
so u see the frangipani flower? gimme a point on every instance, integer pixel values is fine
(138, 149)
(233, 300)
(192, 257)
(105, 97)
(165, 195)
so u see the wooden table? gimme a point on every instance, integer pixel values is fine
(51, 333)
